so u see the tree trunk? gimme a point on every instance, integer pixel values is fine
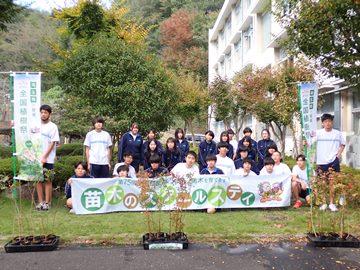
(280, 134)
(238, 122)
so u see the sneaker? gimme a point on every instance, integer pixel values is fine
(45, 207)
(72, 211)
(298, 204)
(333, 207)
(40, 206)
(323, 207)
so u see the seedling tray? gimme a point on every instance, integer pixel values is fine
(321, 241)
(17, 247)
(165, 243)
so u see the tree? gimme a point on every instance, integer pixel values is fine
(271, 95)
(326, 32)
(193, 99)
(121, 82)
(9, 11)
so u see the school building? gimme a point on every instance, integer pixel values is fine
(246, 34)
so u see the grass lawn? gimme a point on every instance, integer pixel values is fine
(127, 228)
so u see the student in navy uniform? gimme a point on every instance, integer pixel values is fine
(248, 132)
(224, 137)
(171, 155)
(206, 147)
(152, 136)
(262, 145)
(132, 142)
(156, 170)
(211, 168)
(247, 142)
(243, 154)
(152, 149)
(182, 143)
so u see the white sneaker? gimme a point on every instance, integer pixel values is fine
(40, 206)
(72, 211)
(323, 207)
(333, 207)
(45, 207)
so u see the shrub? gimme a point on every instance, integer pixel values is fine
(6, 167)
(70, 160)
(62, 173)
(70, 149)
(5, 151)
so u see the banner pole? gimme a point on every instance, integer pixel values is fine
(14, 194)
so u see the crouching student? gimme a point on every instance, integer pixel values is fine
(156, 170)
(280, 167)
(243, 154)
(123, 171)
(211, 168)
(268, 168)
(186, 169)
(128, 159)
(225, 163)
(246, 169)
(80, 170)
(299, 179)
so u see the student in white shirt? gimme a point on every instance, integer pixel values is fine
(223, 162)
(268, 168)
(98, 149)
(330, 145)
(128, 159)
(280, 167)
(246, 169)
(299, 185)
(50, 137)
(186, 169)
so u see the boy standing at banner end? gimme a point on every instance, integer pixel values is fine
(330, 145)
(98, 150)
(49, 137)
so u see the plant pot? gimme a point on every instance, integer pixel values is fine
(161, 240)
(333, 240)
(32, 243)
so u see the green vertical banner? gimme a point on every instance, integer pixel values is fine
(308, 96)
(27, 125)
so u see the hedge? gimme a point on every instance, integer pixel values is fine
(6, 167)
(5, 151)
(70, 149)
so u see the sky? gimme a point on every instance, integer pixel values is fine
(48, 5)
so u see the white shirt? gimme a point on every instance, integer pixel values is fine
(226, 164)
(181, 170)
(301, 175)
(282, 168)
(234, 143)
(49, 133)
(98, 143)
(328, 144)
(240, 171)
(132, 172)
(264, 172)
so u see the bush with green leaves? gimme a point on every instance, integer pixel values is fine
(70, 149)
(5, 151)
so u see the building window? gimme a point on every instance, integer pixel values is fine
(266, 29)
(227, 30)
(248, 38)
(227, 63)
(356, 110)
(248, 120)
(238, 51)
(239, 12)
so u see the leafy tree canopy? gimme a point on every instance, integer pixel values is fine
(9, 11)
(325, 31)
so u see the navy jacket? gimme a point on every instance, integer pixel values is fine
(253, 143)
(216, 171)
(230, 152)
(171, 158)
(239, 164)
(183, 147)
(251, 154)
(68, 187)
(158, 145)
(204, 150)
(156, 173)
(128, 144)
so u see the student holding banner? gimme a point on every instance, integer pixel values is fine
(49, 136)
(330, 145)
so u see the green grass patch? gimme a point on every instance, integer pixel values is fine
(127, 227)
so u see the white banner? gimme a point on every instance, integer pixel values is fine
(27, 123)
(103, 195)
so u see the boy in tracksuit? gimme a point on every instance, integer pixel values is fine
(206, 147)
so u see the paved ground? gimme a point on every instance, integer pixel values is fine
(250, 256)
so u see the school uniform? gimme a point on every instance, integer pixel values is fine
(147, 156)
(253, 143)
(68, 186)
(158, 146)
(161, 171)
(215, 171)
(183, 147)
(205, 149)
(262, 145)
(251, 154)
(171, 158)
(239, 164)
(226, 164)
(134, 145)
(230, 152)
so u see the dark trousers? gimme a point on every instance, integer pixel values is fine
(99, 171)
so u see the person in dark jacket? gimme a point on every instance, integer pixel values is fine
(248, 132)
(171, 155)
(262, 145)
(156, 170)
(211, 168)
(152, 136)
(247, 142)
(206, 147)
(132, 142)
(243, 154)
(182, 143)
(152, 149)
(224, 137)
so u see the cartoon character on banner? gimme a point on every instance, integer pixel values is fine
(269, 193)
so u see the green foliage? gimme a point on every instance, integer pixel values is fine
(71, 159)
(9, 12)
(62, 173)
(70, 149)
(122, 83)
(325, 31)
(6, 167)
(5, 151)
